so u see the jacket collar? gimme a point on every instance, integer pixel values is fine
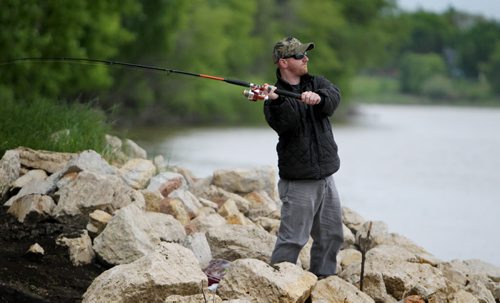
(283, 83)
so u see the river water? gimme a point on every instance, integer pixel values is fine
(432, 173)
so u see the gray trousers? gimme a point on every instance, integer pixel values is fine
(310, 207)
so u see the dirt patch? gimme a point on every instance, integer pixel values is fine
(50, 278)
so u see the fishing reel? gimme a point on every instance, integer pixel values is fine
(257, 92)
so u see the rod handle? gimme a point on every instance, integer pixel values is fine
(288, 94)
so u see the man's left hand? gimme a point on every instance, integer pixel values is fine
(310, 98)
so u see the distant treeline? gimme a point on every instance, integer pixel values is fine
(232, 39)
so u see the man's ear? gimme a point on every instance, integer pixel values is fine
(282, 63)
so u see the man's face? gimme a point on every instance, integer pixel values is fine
(297, 66)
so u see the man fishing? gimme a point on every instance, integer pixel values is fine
(307, 160)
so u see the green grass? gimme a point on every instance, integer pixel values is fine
(33, 124)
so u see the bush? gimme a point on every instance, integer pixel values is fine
(49, 125)
(439, 87)
(417, 68)
(493, 70)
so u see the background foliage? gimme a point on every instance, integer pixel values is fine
(428, 54)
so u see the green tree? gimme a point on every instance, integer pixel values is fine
(416, 69)
(59, 29)
(477, 45)
(428, 33)
(155, 26)
(493, 70)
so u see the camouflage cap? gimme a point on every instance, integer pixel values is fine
(288, 47)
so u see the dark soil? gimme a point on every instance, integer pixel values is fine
(48, 278)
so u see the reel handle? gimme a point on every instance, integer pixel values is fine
(256, 93)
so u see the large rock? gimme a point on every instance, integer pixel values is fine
(190, 201)
(334, 289)
(378, 233)
(36, 175)
(398, 275)
(229, 210)
(50, 162)
(220, 196)
(167, 182)
(198, 244)
(203, 223)
(79, 248)
(256, 281)
(423, 256)
(244, 181)
(32, 208)
(199, 298)
(137, 172)
(84, 192)
(262, 206)
(98, 220)
(10, 166)
(133, 150)
(35, 186)
(352, 219)
(168, 270)
(485, 277)
(231, 242)
(133, 233)
(89, 161)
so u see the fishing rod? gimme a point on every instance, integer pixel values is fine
(255, 93)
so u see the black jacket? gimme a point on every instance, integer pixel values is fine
(306, 147)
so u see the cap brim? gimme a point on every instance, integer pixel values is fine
(310, 46)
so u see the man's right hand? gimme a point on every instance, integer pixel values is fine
(269, 91)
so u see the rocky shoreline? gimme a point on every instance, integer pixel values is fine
(77, 228)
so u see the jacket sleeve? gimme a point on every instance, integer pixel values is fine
(281, 115)
(330, 96)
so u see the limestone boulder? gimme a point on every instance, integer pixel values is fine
(229, 210)
(347, 257)
(256, 281)
(199, 298)
(137, 172)
(198, 244)
(190, 201)
(170, 269)
(232, 242)
(49, 161)
(84, 192)
(219, 196)
(133, 233)
(423, 256)
(35, 186)
(398, 276)
(89, 161)
(79, 248)
(243, 181)
(32, 208)
(10, 167)
(167, 182)
(378, 234)
(98, 220)
(133, 150)
(36, 175)
(349, 238)
(334, 289)
(352, 219)
(204, 222)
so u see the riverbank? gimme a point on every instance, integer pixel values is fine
(138, 230)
